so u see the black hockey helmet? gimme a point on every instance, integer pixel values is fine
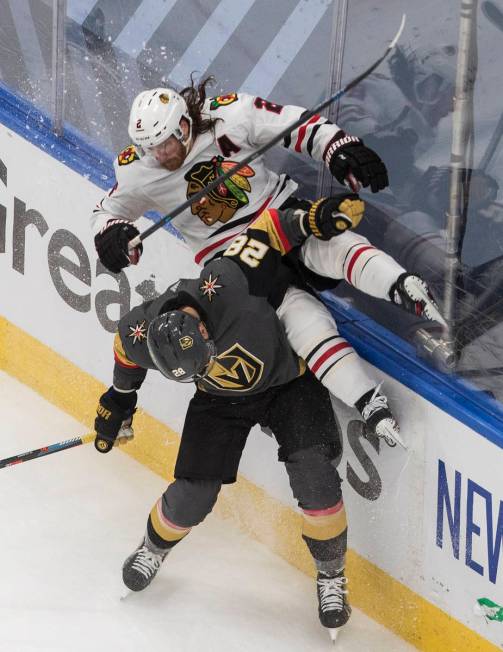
(178, 348)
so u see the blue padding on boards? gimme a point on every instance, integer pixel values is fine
(72, 148)
(398, 359)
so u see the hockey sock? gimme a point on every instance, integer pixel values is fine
(325, 533)
(162, 532)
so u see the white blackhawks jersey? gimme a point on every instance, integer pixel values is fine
(244, 124)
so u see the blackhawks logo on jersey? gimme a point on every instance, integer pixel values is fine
(221, 203)
(128, 155)
(223, 100)
(235, 369)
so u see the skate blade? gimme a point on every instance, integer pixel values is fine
(127, 593)
(400, 441)
(434, 315)
(430, 310)
(392, 438)
(333, 632)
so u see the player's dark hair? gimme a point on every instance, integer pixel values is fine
(195, 96)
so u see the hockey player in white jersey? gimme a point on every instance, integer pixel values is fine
(184, 141)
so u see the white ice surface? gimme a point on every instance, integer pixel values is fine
(68, 521)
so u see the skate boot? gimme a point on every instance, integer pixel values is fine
(141, 567)
(333, 607)
(373, 406)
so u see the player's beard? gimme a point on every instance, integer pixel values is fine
(177, 159)
(174, 163)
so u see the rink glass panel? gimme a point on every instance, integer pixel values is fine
(404, 111)
(115, 50)
(26, 50)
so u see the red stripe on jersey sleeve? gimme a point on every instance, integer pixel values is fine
(121, 363)
(279, 229)
(302, 132)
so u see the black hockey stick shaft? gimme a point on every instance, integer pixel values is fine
(261, 150)
(47, 450)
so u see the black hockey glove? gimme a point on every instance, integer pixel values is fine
(112, 245)
(114, 415)
(413, 294)
(348, 154)
(331, 216)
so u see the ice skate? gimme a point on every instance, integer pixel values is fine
(333, 607)
(378, 417)
(141, 567)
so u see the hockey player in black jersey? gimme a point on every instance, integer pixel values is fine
(221, 332)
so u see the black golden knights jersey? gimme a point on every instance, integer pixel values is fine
(231, 295)
(244, 124)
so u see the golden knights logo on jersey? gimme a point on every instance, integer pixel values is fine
(235, 369)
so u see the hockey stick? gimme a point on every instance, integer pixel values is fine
(261, 150)
(63, 446)
(125, 435)
(47, 450)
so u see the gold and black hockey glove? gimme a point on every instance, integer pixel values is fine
(114, 416)
(331, 216)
